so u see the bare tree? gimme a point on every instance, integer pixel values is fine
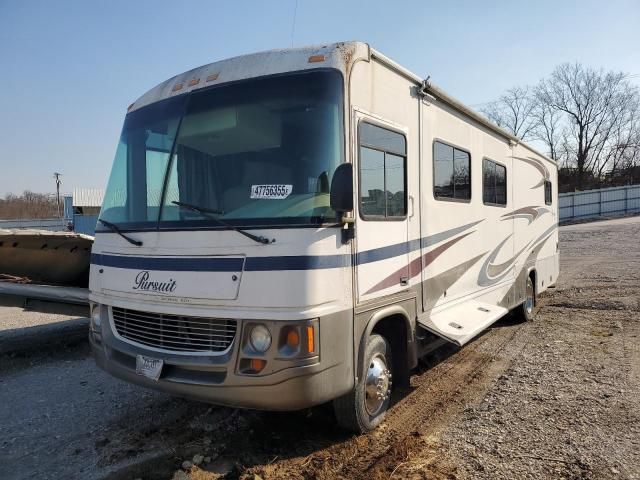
(623, 144)
(513, 112)
(548, 128)
(596, 106)
(27, 205)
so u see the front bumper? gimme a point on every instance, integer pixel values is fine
(214, 378)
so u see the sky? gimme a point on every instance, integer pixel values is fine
(69, 69)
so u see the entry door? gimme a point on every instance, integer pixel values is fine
(382, 227)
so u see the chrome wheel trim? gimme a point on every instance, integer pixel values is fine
(377, 387)
(528, 305)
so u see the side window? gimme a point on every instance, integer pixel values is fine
(494, 183)
(451, 172)
(383, 160)
(547, 193)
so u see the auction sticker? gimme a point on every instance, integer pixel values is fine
(271, 192)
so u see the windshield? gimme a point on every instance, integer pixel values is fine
(257, 153)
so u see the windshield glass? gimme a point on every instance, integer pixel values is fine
(134, 191)
(257, 153)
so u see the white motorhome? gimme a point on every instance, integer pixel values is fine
(292, 227)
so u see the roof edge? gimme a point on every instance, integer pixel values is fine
(438, 93)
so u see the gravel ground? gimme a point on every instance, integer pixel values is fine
(554, 398)
(568, 406)
(14, 317)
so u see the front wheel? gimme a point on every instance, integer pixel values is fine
(364, 408)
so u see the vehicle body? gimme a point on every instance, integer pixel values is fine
(379, 216)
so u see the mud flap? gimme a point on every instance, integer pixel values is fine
(460, 323)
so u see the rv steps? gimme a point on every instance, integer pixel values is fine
(460, 323)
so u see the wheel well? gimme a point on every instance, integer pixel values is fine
(533, 275)
(394, 329)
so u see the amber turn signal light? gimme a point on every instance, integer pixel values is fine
(257, 364)
(252, 366)
(310, 339)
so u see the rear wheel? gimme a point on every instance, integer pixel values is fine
(364, 408)
(529, 305)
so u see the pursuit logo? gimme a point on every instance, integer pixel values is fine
(142, 282)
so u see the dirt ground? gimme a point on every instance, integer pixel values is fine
(555, 398)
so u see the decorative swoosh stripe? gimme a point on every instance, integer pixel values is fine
(438, 284)
(390, 251)
(416, 266)
(537, 246)
(530, 213)
(491, 273)
(439, 237)
(538, 165)
(494, 271)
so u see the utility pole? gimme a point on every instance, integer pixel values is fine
(57, 176)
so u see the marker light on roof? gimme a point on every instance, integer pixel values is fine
(316, 58)
(194, 81)
(212, 77)
(176, 87)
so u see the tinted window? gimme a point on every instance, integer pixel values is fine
(488, 181)
(382, 172)
(461, 174)
(501, 184)
(494, 183)
(451, 172)
(394, 172)
(382, 139)
(547, 193)
(372, 182)
(443, 170)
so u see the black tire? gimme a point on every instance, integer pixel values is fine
(353, 410)
(527, 310)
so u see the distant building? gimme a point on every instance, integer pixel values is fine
(82, 208)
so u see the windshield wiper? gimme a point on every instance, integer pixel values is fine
(210, 213)
(114, 228)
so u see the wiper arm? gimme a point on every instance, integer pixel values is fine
(210, 213)
(114, 228)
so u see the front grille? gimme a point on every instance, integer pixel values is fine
(174, 332)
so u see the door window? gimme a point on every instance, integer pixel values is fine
(383, 179)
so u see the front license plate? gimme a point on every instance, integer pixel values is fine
(149, 367)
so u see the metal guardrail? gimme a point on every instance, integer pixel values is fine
(609, 202)
(51, 224)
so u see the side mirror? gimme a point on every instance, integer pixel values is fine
(341, 196)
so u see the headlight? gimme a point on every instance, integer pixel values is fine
(260, 338)
(95, 317)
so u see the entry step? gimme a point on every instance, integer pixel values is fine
(462, 322)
